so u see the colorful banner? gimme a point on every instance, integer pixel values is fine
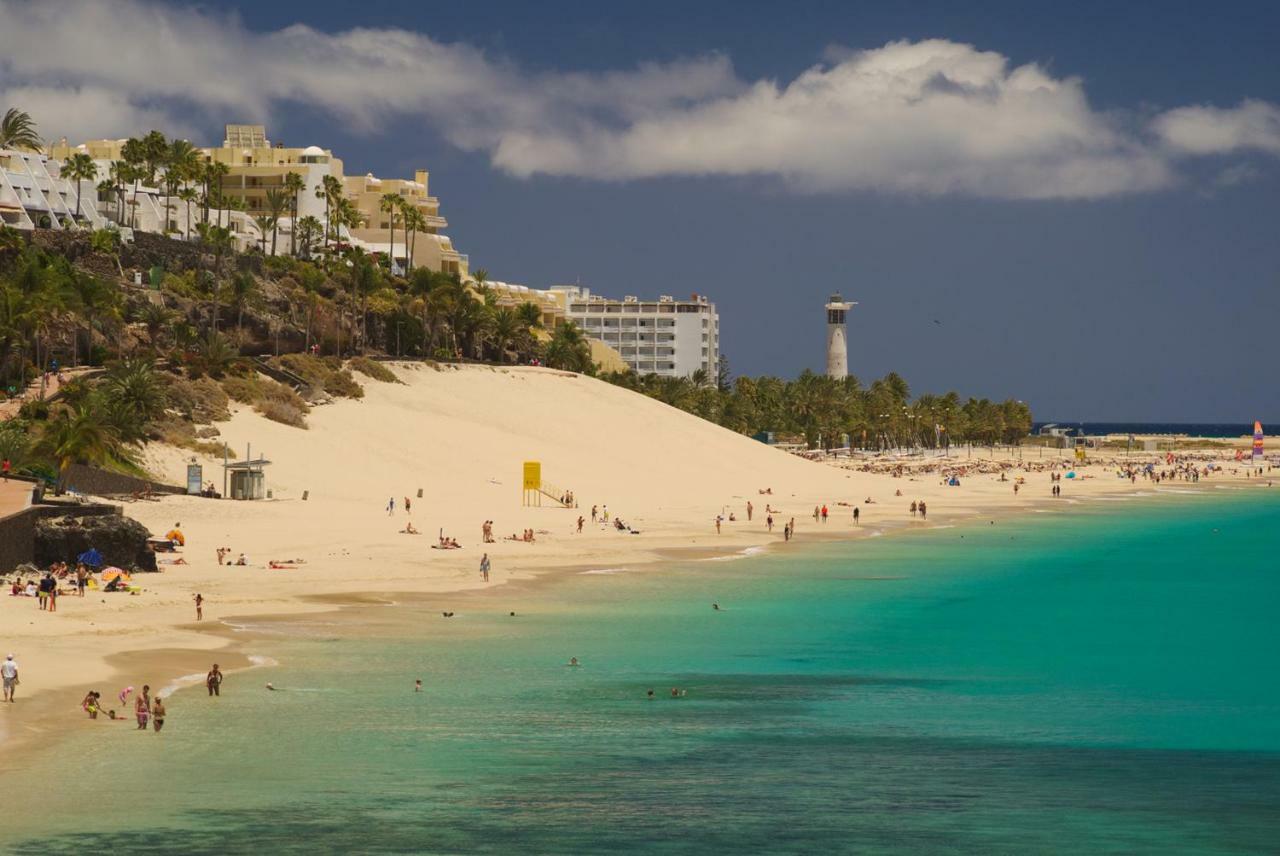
(1257, 441)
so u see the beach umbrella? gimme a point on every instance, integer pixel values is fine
(112, 573)
(90, 557)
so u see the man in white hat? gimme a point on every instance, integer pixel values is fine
(9, 672)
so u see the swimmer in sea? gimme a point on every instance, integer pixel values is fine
(716, 607)
(573, 661)
(417, 685)
(270, 686)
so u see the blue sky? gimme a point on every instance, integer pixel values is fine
(1107, 253)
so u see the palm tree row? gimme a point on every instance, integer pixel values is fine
(827, 412)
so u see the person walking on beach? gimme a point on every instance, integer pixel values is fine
(9, 674)
(213, 681)
(593, 514)
(157, 715)
(768, 523)
(199, 599)
(717, 524)
(406, 505)
(924, 511)
(856, 515)
(484, 567)
(750, 508)
(824, 514)
(82, 578)
(142, 707)
(580, 522)
(391, 506)
(53, 594)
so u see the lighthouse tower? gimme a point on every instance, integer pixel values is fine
(837, 347)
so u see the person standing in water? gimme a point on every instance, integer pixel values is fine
(157, 714)
(142, 707)
(213, 681)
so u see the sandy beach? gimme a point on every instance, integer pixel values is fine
(460, 436)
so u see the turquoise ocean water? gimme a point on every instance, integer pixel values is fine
(1102, 681)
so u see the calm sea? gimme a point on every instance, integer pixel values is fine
(1190, 429)
(1100, 681)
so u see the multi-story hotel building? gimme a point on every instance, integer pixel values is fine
(256, 166)
(430, 248)
(666, 336)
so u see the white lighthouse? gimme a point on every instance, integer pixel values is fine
(837, 347)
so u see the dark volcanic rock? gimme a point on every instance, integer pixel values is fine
(121, 540)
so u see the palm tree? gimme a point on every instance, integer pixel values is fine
(569, 349)
(265, 223)
(243, 286)
(294, 184)
(212, 175)
(277, 205)
(330, 190)
(530, 314)
(155, 317)
(134, 155)
(215, 357)
(107, 190)
(505, 325)
(75, 436)
(181, 163)
(390, 204)
(307, 229)
(414, 221)
(219, 239)
(79, 168)
(132, 383)
(155, 153)
(18, 131)
(346, 214)
(120, 176)
(188, 195)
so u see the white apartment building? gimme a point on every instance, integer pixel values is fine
(666, 336)
(32, 195)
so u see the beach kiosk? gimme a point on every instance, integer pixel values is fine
(248, 478)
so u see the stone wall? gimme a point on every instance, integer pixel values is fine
(97, 482)
(17, 539)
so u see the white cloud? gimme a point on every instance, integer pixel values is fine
(926, 118)
(1204, 130)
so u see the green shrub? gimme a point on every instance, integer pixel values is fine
(311, 369)
(201, 400)
(281, 394)
(245, 390)
(321, 373)
(343, 385)
(182, 284)
(278, 411)
(373, 369)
